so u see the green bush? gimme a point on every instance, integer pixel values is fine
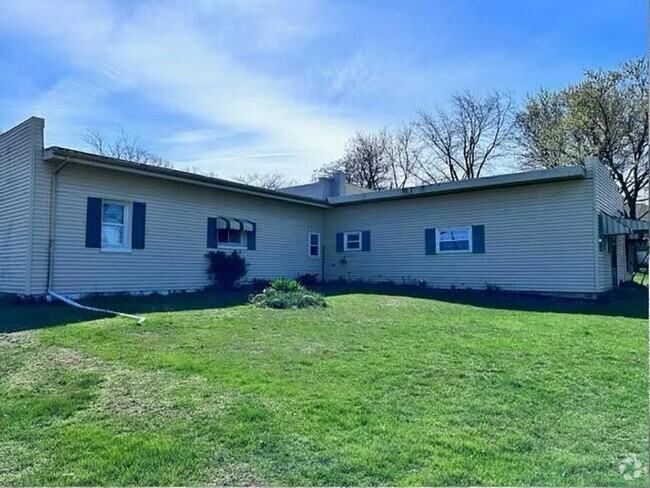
(286, 285)
(226, 269)
(287, 293)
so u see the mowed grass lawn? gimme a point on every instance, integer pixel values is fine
(376, 389)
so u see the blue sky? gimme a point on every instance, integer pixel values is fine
(233, 86)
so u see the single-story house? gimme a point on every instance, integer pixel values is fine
(76, 223)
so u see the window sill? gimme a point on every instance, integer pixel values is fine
(231, 247)
(115, 250)
(351, 250)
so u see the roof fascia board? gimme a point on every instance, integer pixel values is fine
(52, 156)
(490, 182)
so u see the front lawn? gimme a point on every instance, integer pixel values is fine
(375, 389)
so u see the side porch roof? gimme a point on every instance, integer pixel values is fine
(616, 226)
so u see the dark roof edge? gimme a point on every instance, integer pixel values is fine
(56, 153)
(485, 183)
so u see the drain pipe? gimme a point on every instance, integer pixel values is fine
(50, 250)
(50, 256)
(137, 318)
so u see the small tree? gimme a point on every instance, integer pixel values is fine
(271, 181)
(365, 162)
(226, 269)
(125, 146)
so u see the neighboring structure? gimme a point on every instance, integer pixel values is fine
(77, 223)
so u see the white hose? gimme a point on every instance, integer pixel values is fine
(92, 309)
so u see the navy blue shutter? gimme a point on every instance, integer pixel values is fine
(212, 233)
(430, 241)
(138, 225)
(94, 222)
(339, 242)
(365, 240)
(251, 238)
(478, 239)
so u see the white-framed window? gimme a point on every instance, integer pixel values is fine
(314, 245)
(454, 239)
(116, 226)
(230, 234)
(352, 241)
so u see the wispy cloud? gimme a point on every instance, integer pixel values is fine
(231, 86)
(161, 52)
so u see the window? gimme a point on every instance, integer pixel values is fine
(231, 237)
(116, 218)
(230, 233)
(454, 239)
(352, 241)
(314, 244)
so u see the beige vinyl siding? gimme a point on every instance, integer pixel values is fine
(40, 220)
(607, 199)
(18, 149)
(537, 237)
(176, 234)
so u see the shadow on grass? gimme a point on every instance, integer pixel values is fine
(25, 316)
(629, 301)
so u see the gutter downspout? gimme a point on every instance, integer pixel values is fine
(137, 318)
(50, 251)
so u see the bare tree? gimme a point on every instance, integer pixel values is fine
(404, 153)
(327, 170)
(605, 115)
(468, 138)
(365, 162)
(272, 181)
(124, 146)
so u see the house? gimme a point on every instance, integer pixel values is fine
(77, 223)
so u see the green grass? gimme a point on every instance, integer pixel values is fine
(641, 277)
(376, 389)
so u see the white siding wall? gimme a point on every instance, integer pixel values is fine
(42, 186)
(607, 199)
(20, 149)
(176, 226)
(537, 237)
(541, 237)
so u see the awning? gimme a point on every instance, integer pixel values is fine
(235, 224)
(248, 225)
(614, 226)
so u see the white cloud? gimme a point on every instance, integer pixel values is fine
(165, 54)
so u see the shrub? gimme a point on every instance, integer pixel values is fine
(286, 285)
(226, 269)
(308, 279)
(287, 293)
(257, 285)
